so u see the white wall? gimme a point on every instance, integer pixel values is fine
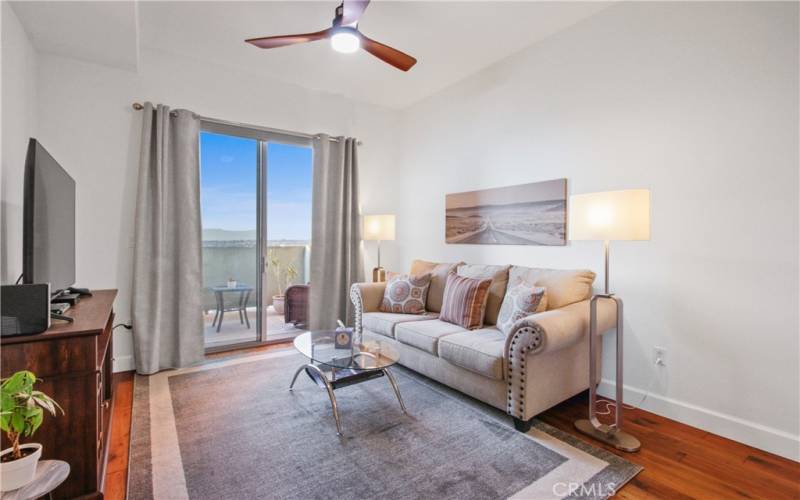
(86, 122)
(18, 66)
(697, 102)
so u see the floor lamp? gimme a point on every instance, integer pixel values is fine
(607, 216)
(379, 228)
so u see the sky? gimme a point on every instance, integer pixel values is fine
(534, 191)
(229, 191)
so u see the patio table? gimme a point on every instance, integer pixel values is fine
(240, 306)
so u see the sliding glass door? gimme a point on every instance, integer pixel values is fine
(288, 238)
(229, 199)
(256, 215)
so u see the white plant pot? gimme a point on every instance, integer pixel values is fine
(16, 474)
(278, 302)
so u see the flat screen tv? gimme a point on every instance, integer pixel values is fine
(48, 233)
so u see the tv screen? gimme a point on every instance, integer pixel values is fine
(48, 254)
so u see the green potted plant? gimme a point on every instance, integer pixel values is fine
(283, 277)
(21, 413)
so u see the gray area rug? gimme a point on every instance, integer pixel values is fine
(231, 429)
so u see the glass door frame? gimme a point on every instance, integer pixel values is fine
(263, 137)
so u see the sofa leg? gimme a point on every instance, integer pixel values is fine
(522, 425)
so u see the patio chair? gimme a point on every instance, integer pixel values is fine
(296, 308)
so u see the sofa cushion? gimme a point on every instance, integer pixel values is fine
(438, 272)
(480, 351)
(564, 287)
(406, 294)
(384, 323)
(425, 335)
(499, 276)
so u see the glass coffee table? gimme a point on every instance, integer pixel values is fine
(333, 367)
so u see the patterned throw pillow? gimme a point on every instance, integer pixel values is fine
(464, 301)
(521, 300)
(406, 294)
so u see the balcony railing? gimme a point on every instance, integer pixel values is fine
(238, 260)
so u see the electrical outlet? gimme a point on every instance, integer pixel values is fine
(659, 356)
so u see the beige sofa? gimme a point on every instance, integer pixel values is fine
(543, 361)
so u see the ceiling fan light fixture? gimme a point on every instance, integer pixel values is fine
(345, 41)
(344, 37)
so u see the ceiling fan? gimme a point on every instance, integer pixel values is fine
(344, 36)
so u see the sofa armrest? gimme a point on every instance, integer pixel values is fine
(548, 332)
(366, 297)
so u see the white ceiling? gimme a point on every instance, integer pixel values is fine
(100, 32)
(451, 40)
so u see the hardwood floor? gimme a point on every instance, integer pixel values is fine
(685, 462)
(117, 469)
(679, 461)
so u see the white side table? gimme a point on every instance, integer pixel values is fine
(49, 475)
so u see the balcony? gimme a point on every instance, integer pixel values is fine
(229, 261)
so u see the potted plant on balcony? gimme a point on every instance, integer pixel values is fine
(21, 413)
(284, 275)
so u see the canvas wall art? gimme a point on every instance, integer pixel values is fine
(527, 214)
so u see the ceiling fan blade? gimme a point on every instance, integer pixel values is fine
(399, 60)
(352, 11)
(271, 42)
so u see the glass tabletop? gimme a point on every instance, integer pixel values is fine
(370, 355)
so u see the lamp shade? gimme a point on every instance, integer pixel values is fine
(379, 227)
(610, 215)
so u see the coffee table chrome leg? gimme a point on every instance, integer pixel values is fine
(335, 408)
(328, 387)
(396, 389)
(294, 379)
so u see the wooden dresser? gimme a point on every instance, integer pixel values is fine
(74, 361)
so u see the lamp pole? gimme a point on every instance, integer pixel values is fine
(378, 273)
(611, 434)
(605, 249)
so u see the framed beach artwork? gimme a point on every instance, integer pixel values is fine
(526, 214)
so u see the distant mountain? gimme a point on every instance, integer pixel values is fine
(227, 235)
(247, 238)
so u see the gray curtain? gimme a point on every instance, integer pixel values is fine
(167, 259)
(336, 260)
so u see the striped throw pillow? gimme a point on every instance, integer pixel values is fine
(464, 301)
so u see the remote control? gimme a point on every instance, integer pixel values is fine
(59, 308)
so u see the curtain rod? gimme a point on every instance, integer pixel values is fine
(138, 107)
